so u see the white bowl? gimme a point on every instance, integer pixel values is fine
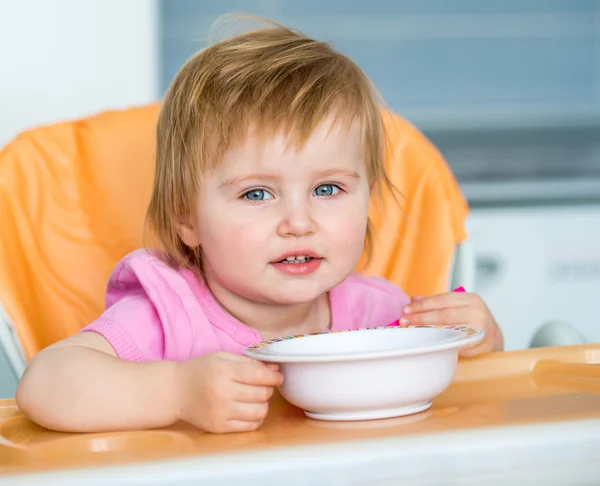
(366, 374)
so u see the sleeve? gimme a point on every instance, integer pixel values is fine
(150, 312)
(133, 328)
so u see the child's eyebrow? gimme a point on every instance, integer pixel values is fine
(234, 181)
(339, 172)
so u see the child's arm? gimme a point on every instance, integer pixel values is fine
(79, 385)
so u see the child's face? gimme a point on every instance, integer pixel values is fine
(264, 202)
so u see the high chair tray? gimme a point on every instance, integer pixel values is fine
(508, 418)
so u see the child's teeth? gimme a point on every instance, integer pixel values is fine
(296, 259)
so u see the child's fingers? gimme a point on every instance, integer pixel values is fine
(252, 394)
(242, 426)
(450, 316)
(438, 302)
(249, 412)
(257, 374)
(247, 360)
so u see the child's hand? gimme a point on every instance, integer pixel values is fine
(224, 392)
(456, 309)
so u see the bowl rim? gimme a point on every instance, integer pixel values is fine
(463, 336)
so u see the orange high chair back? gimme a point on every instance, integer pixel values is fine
(73, 198)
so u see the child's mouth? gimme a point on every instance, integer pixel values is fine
(295, 260)
(298, 263)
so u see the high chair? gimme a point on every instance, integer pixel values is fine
(73, 198)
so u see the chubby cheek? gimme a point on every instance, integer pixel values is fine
(232, 246)
(346, 232)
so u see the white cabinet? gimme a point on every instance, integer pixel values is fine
(537, 266)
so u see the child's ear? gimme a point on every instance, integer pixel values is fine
(188, 234)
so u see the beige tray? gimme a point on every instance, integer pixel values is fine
(545, 385)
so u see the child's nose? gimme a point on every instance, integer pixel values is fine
(297, 221)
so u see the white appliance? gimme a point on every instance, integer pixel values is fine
(539, 268)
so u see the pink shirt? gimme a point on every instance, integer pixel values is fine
(154, 312)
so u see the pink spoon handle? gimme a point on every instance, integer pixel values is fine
(397, 321)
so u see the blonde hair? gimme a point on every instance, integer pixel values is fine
(270, 79)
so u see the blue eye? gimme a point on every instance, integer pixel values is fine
(258, 195)
(326, 190)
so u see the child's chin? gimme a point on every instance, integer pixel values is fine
(297, 296)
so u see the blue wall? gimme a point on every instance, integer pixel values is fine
(432, 59)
